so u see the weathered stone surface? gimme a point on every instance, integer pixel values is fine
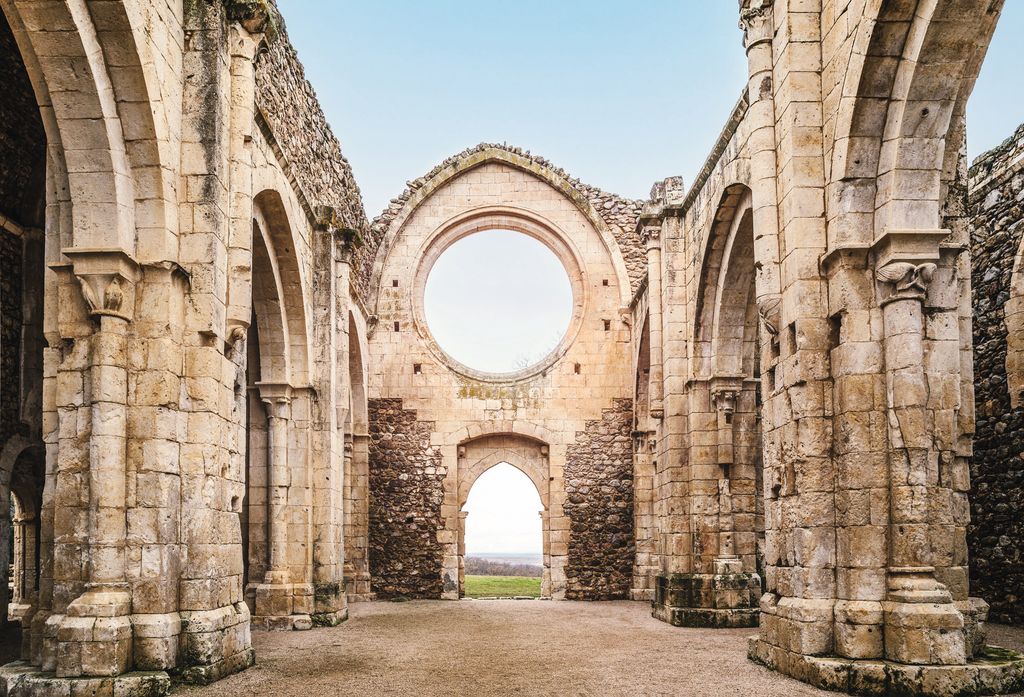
(996, 536)
(599, 503)
(406, 493)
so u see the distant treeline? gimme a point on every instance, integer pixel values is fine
(475, 566)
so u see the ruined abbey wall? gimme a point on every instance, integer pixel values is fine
(762, 412)
(996, 536)
(570, 411)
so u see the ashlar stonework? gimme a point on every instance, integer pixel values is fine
(222, 409)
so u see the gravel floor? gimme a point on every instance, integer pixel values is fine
(503, 647)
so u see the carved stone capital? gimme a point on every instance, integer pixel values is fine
(724, 399)
(277, 396)
(756, 22)
(769, 309)
(907, 280)
(107, 279)
(651, 236)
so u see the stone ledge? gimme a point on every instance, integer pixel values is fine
(21, 679)
(282, 623)
(329, 619)
(708, 618)
(997, 672)
(206, 674)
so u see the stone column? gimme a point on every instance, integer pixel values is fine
(922, 625)
(275, 596)
(651, 234)
(94, 636)
(462, 552)
(724, 402)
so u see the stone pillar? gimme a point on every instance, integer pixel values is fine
(462, 552)
(724, 402)
(723, 595)
(922, 625)
(357, 523)
(94, 636)
(651, 234)
(275, 597)
(24, 572)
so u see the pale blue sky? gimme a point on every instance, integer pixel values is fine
(619, 94)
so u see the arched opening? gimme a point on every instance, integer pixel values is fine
(23, 174)
(728, 348)
(357, 473)
(502, 536)
(266, 362)
(498, 301)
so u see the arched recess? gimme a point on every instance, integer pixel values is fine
(269, 359)
(392, 222)
(529, 456)
(726, 367)
(278, 257)
(100, 123)
(357, 468)
(734, 215)
(898, 135)
(22, 463)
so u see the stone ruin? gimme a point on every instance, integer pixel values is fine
(221, 407)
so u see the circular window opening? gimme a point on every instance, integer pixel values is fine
(498, 301)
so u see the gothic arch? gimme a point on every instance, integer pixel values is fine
(535, 470)
(899, 133)
(279, 298)
(528, 455)
(101, 130)
(725, 294)
(478, 429)
(394, 220)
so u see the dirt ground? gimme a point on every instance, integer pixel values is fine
(510, 647)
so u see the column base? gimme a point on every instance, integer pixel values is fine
(23, 679)
(330, 604)
(707, 600)
(94, 638)
(215, 643)
(283, 607)
(996, 671)
(357, 588)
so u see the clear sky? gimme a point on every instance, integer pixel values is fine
(498, 301)
(503, 513)
(617, 93)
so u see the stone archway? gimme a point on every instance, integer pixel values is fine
(527, 455)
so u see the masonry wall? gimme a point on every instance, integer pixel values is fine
(10, 333)
(599, 503)
(557, 408)
(996, 534)
(406, 492)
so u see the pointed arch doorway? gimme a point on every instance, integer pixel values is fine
(503, 479)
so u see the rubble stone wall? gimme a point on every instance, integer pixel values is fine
(996, 534)
(10, 333)
(599, 504)
(406, 492)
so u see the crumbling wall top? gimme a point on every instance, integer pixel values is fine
(617, 213)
